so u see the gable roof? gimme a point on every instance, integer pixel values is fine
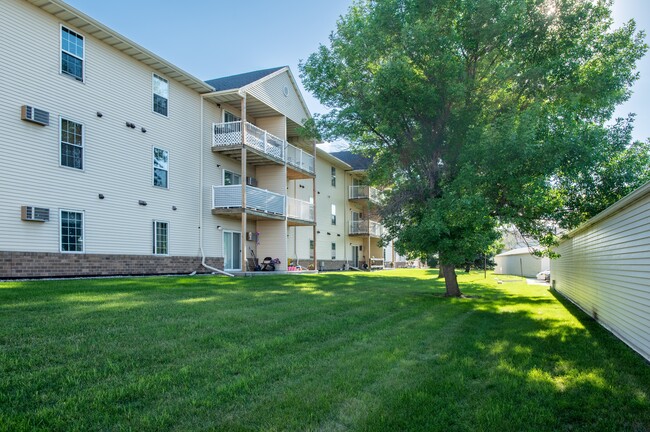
(240, 80)
(357, 162)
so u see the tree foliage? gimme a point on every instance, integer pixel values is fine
(482, 112)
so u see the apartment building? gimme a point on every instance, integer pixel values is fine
(119, 162)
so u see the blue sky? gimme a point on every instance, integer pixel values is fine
(211, 39)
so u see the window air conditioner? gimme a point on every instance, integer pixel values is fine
(34, 115)
(36, 214)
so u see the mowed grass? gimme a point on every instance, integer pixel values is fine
(332, 352)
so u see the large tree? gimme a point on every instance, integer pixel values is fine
(478, 113)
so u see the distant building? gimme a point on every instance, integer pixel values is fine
(520, 262)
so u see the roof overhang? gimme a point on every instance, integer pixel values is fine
(331, 159)
(89, 26)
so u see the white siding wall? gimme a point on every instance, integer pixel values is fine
(273, 241)
(118, 160)
(271, 92)
(275, 125)
(605, 270)
(326, 196)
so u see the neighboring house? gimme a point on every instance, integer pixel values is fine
(604, 268)
(520, 262)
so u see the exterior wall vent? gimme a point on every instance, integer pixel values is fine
(34, 214)
(34, 115)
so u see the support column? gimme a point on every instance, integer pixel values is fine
(244, 263)
(313, 193)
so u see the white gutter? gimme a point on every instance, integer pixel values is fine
(203, 263)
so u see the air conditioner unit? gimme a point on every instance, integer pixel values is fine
(34, 115)
(251, 181)
(34, 214)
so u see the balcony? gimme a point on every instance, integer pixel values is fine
(266, 148)
(260, 203)
(365, 193)
(366, 228)
(299, 212)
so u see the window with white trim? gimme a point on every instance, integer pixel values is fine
(160, 95)
(333, 214)
(72, 54)
(231, 178)
(311, 249)
(230, 117)
(160, 168)
(333, 251)
(71, 230)
(160, 238)
(333, 171)
(71, 144)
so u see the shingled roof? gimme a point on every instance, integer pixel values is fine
(241, 80)
(354, 160)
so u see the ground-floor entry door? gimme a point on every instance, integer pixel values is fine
(232, 250)
(355, 256)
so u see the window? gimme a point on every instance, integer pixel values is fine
(160, 95)
(230, 178)
(311, 249)
(72, 54)
(333, 171)
(230, 117)
(160, 168)
(333, 214)
(72, 231)
(333, 251)
(71, 144)
(160, 238)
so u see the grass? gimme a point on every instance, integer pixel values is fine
(333, 352)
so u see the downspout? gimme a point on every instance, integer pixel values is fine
(203, 263)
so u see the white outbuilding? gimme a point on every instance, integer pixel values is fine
(520, 262)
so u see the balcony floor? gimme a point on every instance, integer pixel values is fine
(253, 157)
(235, 212)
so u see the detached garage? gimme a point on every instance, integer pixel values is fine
(604, 268)
(520, 262)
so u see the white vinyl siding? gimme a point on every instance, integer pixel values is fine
(117, 161)
(72, 54)
(71, 225)
(271, 92)
(605, 270)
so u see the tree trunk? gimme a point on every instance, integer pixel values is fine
(451, 283)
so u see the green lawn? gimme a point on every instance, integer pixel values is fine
(332, 352)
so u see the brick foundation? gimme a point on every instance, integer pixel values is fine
(15, 265)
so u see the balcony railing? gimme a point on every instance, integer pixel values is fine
(366, 192)
(256, 199)
(230, 133)
(366, 227)
(300, 159)
(298, 209)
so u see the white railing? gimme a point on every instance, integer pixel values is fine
(230, 133)
(299, 209)
(366, 192)
(256, 199)
(226, 134)
(372, 228)
(300, 159)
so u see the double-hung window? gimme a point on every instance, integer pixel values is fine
(333, 171)
(160, 238)
(311, 249)
(160, 168)
(333, 251)
(71, 144)
(333, 214)
(72, 54)
(71, 231)
(160, 95)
